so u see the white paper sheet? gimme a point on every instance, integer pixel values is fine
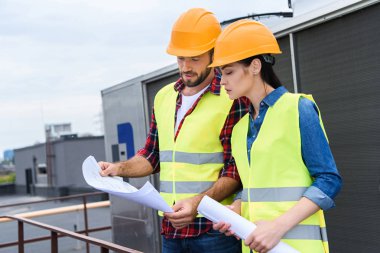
(242, 227)
(147, 195)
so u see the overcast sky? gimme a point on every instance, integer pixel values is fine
(57, 55)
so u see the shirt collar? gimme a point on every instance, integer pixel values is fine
(270, 99)
(274, 96)
(214, 87)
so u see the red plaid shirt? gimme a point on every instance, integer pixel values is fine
(151, 153)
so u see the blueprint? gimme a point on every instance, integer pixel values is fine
(147, 195)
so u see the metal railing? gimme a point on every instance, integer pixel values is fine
(57, 232)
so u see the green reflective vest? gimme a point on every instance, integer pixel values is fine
(277, 177)
(191, 164)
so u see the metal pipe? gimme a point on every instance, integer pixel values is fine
(294, 62)
(86, 222)
(104, 250)
(57, 198)
(54, 242)
(43, 238)
(20, 237)
(59, 210)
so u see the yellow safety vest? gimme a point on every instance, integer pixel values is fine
(277, 177)
(191, 164)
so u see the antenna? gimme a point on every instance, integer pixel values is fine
(280, 14)
(288, 14)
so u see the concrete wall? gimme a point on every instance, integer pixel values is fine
(68, 157)
(24, 160)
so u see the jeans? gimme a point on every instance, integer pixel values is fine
(210, 242)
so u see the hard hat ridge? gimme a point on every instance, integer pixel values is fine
(194, 33)
(243, 39)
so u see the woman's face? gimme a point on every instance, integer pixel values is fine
(236, 79)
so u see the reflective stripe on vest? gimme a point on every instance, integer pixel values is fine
(276, 177)
(192, 158)
(273, 194)
(185, 187)
(191, 163)
(307, 232)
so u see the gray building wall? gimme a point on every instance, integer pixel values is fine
(124, 104)
(68, 156)
(68, 159)
(339, 64)
(24, 160)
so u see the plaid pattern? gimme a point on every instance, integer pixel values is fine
(151, 153)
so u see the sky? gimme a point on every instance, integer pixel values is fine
(57, 55)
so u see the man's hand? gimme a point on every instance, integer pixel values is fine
(137, 166)
(108, 169)
(185, 212)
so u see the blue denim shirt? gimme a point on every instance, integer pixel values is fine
(316, 151)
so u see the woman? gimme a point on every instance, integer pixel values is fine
(281, 151)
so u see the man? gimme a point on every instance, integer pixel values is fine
(189, 140)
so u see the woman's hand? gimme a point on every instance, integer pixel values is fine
(266, 235)
(224, 227)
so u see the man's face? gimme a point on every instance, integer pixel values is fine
(194, 70)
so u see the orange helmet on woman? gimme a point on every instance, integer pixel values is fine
(243, 39)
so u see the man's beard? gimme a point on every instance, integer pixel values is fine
(198, 81)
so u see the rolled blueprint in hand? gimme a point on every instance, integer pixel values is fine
(242, 227)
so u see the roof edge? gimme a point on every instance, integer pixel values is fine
(321, 15)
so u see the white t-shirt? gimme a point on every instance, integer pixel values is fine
(187, 103)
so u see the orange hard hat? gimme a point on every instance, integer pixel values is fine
(194, 33)
(243, 39)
